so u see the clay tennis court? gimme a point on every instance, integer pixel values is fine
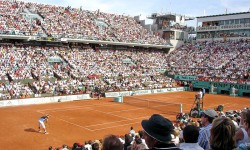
(79, 121)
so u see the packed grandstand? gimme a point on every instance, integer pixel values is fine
(26, 68)
(37, 68)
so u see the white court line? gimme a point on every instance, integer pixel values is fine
(115, 121)
(116, 126)
(68, 122)
(126, 119)
(171, 97)
(110, 113)
(121, 124)
(126, 110)
(92, 108)
(75, 108)
(155, 100)
(75, 124)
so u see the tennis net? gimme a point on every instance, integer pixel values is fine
(162, 107)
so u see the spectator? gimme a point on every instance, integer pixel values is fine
(95, 146)
(222, 134)
(246, 146)
(207, 118)
(65, 147)
(241, 135)
(132, 131)
(111, 142)
(77, 146)
(158, 133)
(137, 144)
(176, 137)
(88, 144)
(128, 141)
(142, 138)
(190, 136)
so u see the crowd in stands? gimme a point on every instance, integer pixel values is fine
(33, 70)
(26, 18)
(28, 70)
(109, 69)
(14, 22)
(219, 61)
(215, 130)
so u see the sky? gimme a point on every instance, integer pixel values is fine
(193, 8)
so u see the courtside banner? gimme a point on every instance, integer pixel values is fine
(8, 103)
(180, 89)
(82, 97)
(157, 91)
(173, 89)
(112, 94)
(140, 92)
(1, 103)
(42, 100)
(62, 98)
(52, 99)
(71, 98)
(165, 90)
(125, 93)
(11, 103)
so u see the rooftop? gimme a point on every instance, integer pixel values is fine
(239, 13)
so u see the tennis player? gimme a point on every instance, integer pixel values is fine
(41, 121)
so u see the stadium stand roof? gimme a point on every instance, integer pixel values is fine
(224, 14)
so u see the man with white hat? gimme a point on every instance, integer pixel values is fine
(157, 133)
(207, 118)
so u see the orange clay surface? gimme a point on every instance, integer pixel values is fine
(79, 121)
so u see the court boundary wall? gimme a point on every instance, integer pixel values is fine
(232, 89)
(43, 100)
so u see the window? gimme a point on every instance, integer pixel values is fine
(236, 21)
(226, 22)
(247, 20)
(231, 21)
(242, 21)
(221, 22)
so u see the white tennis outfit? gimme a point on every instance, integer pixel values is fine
(41, 121)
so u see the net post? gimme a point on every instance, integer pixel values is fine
(180, 107)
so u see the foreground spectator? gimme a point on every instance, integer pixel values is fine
(207, 118)
(132, 131)
(190, 136)
(246, 146)
(158, 133)
(95, 146)
(137, 144)
(111, 142)
(241, 135)
(141, 133)
(128, 140)
(222, 134)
